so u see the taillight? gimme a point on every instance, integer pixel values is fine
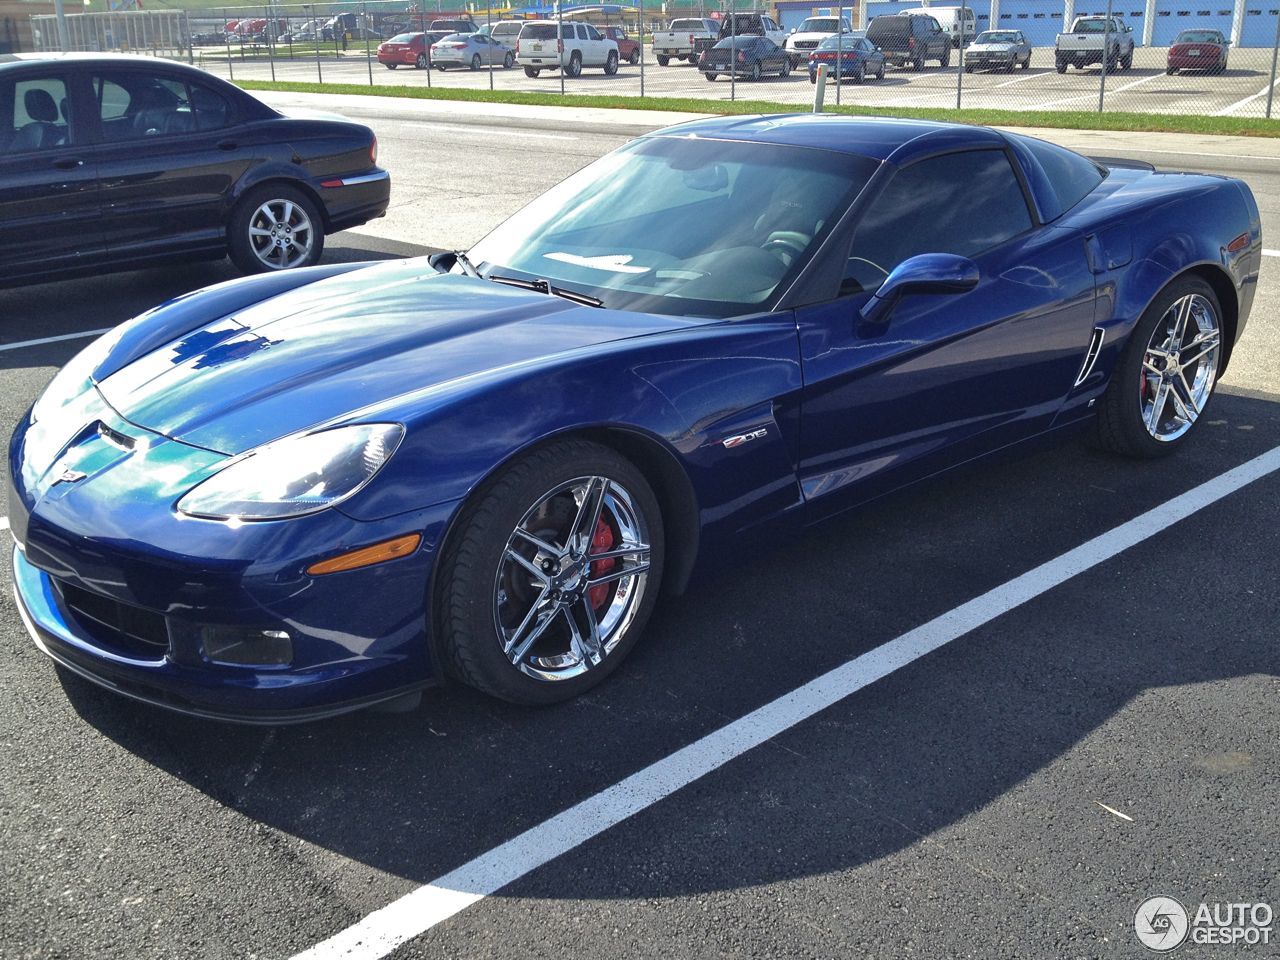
(373, 151)
(742, 57)
(691, 38)
(911, 43)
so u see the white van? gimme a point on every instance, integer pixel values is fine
(950, 19)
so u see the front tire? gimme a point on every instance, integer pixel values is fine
(392, 66)
(275, 227)
(526, 614)
(476, 63)
(508, 61)
(1165, 378)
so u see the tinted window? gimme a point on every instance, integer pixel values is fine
(592, 34)
(538, 31)
(34, 115)
(961, 203)
(137, 106)
(1071, 175)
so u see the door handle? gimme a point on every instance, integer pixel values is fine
(68, 163)
(227, 144)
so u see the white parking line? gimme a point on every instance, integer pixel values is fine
(420, 910)
(4, 523)
(1009, 83)
(1225, 111)
(1270, 253)
(58, 339)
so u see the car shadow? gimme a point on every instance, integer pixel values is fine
(419, 793)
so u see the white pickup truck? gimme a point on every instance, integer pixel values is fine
(678, 41)
(1083, 44)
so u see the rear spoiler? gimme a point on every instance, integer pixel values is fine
(1124, 164)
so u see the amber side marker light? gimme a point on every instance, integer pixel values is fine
(368, 556)
(1238, 244)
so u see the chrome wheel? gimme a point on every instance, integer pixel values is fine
(281, 234)
(571, 578)
(1179, 367)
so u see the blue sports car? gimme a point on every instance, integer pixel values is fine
(300, 493)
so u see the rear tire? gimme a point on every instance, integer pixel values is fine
(1061, 66)
(476, 63)
(268, 208)
(634, 59)
(483, 595)
(711, 77)
(421, 62)
(531, 72)
(663, 61)
(574, 68)
(1121, 426)
(756, 72)
(392, 66)
(508, 61)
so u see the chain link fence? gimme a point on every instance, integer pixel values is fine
(1188, 57)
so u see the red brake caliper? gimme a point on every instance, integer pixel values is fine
(600, 543)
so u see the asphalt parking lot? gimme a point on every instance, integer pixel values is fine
(1015, 793)
(1240, 91)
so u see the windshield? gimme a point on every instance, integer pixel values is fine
(839, 42)
(1094, 26)
(997, 36)
(1199, 36)
(403, 38)
(680, 226)
(538, 31)
(697, 25)
(819, 25)
(745, 42)
(507, 29)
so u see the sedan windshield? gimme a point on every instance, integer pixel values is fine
(680, 226)
(997, 36)
(1199, 36)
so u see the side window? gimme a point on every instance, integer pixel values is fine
(138, 107)
(592, 33)
(961, 203)
(35, 115)
(211, 109)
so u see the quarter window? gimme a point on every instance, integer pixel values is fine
(961, 203)
(35, 115)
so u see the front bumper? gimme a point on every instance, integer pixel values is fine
(113, 540)
(1184, 62)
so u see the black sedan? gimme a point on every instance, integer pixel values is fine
(750, 57)
(855, 57)
(115, 162)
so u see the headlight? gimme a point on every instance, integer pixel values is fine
(295, 476)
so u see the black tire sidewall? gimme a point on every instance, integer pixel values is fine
(468, 633)
(238, 246)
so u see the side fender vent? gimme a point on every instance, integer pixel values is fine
(1091, 356)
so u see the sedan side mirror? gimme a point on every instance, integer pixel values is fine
(928, 273)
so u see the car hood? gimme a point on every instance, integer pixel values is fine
(333, 347)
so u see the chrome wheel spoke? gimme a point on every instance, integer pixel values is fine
(519, 645)
(618, 574)
(584, 524)
(587, 643)
(1185, 397)
(1157, 405)
(1203, 345)
(1183, 308)
(539, 543)
(259, 232)
(626, 550)
(537, 573)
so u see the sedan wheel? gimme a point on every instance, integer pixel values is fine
(275, 228)
(421, 62)
(635, 57)
(1173, 358)
(755, 71)
(475, 61)
(508, 61)
(552, 574)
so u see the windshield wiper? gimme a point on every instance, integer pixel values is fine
(544, 286)
(445, 261)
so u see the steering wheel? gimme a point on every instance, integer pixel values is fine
(787, 244)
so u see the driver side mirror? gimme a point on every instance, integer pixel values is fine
(928, 273)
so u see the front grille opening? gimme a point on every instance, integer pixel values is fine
(120, 627)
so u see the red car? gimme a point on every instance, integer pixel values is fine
(628, 49)
(406, 48)
(1198, 50)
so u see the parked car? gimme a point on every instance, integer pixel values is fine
(273, 519)
(812, 32)
(679, 41)
(1085, 42)
(507, 32)
(910, 39)
(1198, 50)
(628, 48)
(472, 50)
(998, 50)
(461, 25)
(959, 23)
(114, 162)
(743, 25)
(747, 56)
(540, 47)
(847, 57)
(409, 49)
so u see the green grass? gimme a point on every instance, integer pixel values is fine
(1062, 119)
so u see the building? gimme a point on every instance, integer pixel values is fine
(15, 23)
